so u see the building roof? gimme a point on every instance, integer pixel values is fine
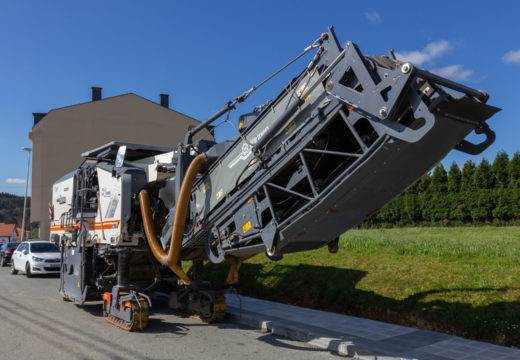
(7, 229)
(110, 98)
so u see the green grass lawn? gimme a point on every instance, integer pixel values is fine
(463, 280)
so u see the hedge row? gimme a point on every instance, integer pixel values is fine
(487, 193)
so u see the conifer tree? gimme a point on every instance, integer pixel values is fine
(437, 208)
(412, 209)
(482, 211)
(454, 198)
(439, 180)
(482, 178)
(466, 199)
(515, 203)
(423, 183)
(466, 181)
(513, 168)
(483, 201)
(499, 169)
(454, 178)
(503, 210)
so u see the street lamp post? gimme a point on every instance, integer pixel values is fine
(26, 186)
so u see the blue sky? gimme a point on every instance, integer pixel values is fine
(203, 53)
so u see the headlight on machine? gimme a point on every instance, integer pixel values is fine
(37, 259)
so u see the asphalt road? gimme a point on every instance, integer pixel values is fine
(38, 324)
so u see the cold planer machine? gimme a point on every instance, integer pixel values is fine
(342, 139)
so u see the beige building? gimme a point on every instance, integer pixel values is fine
(62, 135)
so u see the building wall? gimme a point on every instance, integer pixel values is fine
(63, 134)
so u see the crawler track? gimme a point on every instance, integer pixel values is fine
(140, 314)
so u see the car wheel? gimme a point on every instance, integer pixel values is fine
(2, 262)
(28, 270)
(13, 270)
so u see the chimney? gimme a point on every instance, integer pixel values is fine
(38, 117)
(96, 93)
(165, 100)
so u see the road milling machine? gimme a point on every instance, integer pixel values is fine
(342, 139)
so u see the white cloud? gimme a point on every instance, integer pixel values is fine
(373, 16)
(454, 72)
(432, 51)
(512, 56)
(435, 50)
(15, 181)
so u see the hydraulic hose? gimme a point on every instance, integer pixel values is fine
(174, 253)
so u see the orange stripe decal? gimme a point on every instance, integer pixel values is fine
(112, 224)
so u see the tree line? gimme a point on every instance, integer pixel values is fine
(483, 194)
(11, 208)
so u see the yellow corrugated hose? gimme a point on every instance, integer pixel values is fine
(172, 258)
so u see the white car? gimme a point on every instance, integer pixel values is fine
(36, 257)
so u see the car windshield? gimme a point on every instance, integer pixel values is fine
(12, 245)
(43, 247)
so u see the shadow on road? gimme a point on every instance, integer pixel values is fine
(156, 323)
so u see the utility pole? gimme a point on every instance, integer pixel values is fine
(22, 237)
